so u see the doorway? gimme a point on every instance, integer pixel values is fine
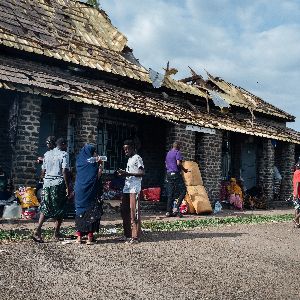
(249, 164)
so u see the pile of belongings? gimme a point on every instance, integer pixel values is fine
(28, 201)
(196, 198)
(113, 189)
(255, 198)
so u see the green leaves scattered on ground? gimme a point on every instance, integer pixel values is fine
(214, 221)
(25, 234)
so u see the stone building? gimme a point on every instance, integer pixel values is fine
(65, 70)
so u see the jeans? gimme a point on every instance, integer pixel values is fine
(176, 189)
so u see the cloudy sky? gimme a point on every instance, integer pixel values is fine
(251, 43)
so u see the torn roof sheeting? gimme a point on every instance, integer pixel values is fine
(36, 78)
(67, 30)
(240, 97)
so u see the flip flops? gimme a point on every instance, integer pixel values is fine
(37, 239)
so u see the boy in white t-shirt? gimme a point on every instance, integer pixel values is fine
(130, 201)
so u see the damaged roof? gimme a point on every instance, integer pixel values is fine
(67, 30)
(237, 96)
(75, 32)
(36, 78)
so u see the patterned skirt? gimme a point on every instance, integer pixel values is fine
(89, 221)
(54, 201)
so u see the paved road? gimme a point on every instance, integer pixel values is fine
(234, 262)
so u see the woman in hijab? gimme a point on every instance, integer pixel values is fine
(88, 190)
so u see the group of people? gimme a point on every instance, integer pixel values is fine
(57, 187)
(87, 191)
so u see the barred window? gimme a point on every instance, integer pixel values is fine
(111, 136)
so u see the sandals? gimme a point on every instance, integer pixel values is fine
(88, 242)
(132, 241)
(123, 239)
(37, 239)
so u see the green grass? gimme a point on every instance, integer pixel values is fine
(23, 234)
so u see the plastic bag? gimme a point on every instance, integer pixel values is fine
(152, 194)
(218, 207)
(183, 208)
(12, 211)
(27, 197)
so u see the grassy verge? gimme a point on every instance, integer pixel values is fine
(24, 234)
(215, 221)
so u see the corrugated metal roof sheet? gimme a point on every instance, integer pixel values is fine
(24, 76)
(182, 87)
(240, 97)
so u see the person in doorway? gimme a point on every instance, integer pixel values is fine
(175, 186)
(130, 209)
(296, 194)
(51, 144)
(88, 191)
(55, 171)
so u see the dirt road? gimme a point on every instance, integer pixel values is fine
(236, 262)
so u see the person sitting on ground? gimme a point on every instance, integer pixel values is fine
(296, 194)
(175, 185)
(88, 192)
(130, 209)
(55, 170)
(235, 194)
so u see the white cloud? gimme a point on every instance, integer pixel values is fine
(252, 43)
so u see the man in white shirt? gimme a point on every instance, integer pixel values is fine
(55, 188)
(130, 201)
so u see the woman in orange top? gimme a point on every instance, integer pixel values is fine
(296, 194)
(235, 194)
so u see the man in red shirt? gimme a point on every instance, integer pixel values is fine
(296, 194)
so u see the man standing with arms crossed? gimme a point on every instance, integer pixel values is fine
(174, 181)
(130, 210)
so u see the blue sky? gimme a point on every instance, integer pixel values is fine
(254, 44)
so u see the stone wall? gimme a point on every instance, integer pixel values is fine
(186, 138)
(266, 161)
(285, 165)
(86, 128)
(209, 152)
(27, 140)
